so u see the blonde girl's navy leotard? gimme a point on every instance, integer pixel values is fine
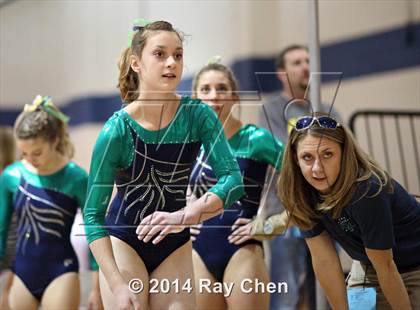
(255, 149)
(45, 207)
(151, 170)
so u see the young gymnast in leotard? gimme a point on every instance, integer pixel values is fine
(44, 190)
(147, 149)
(218, 255)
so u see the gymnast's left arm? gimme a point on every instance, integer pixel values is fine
(267, 149)
(229, 186)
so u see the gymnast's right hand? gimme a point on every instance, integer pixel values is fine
(159, 224)
(125, 299)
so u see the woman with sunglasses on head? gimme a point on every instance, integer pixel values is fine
(220, 255)
(332, 190)
(44, 190)
(147, 149)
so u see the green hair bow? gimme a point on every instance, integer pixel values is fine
(48, 106)
(138, 23)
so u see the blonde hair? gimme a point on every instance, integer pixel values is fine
(7, 147)
(128, 81)
(299, 197)
(41, 124)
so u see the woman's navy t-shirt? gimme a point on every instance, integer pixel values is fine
(382, 221)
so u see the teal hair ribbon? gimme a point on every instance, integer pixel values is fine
(48, 106)
(138, 24)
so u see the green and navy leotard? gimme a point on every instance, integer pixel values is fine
(255, 149)
(151, 170)
(45, 207)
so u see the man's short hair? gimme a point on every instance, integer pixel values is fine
(280, 62)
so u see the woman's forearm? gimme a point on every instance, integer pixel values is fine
(328, 269)
(389, 278)
(393, 286)
(330, 276)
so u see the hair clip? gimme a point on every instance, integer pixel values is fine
(138, 24)
(48, 106)
(36, 103)
(137, 28)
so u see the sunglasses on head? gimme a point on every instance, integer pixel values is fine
(323, 121)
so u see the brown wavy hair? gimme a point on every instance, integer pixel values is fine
(41, 124)
(128, 81)
(298, 196)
